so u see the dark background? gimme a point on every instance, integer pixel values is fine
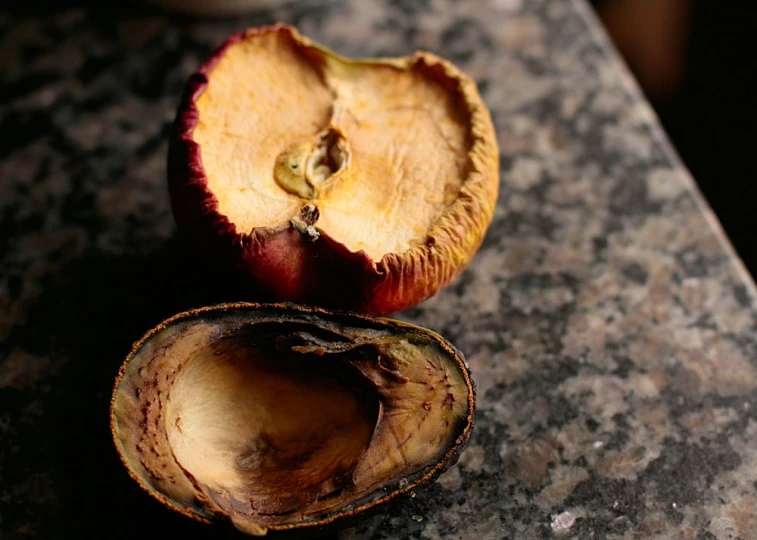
(695, 61)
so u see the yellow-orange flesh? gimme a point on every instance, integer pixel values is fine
(272, 426)
(397, 150)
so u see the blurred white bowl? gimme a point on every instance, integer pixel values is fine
(219, 8)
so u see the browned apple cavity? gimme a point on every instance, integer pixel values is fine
(279, 417)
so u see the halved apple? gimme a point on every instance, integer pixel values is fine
(361, 184)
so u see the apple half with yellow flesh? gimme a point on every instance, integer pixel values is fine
(365, 185)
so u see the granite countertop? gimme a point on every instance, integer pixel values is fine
(607, 321)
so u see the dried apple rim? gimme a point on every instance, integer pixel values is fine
(280, 417)
(362, 184)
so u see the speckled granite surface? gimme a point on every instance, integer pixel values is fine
(608, 325)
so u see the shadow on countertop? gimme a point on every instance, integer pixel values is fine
(60, 458)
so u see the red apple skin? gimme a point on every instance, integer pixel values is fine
(281, 265)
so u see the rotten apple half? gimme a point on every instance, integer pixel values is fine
(359, 184)
(280, 417)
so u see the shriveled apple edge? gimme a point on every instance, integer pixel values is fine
(416, 480)
(399, 280)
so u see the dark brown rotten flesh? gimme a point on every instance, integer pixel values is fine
(280, 416)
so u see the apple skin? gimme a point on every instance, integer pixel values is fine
(281, 265)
